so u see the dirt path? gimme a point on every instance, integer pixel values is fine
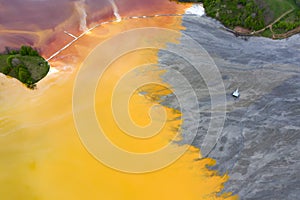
(277, 20)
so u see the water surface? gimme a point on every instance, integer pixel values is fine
(40, 150)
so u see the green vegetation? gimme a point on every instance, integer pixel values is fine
(267, 33)
(24, 64)
(189, 1)
(275, 8)
(288, 23)
(232, 13)
(277, 16)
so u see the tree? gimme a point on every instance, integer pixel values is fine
(23, 74)
(28, 51)
(6, 70)
(9, 61)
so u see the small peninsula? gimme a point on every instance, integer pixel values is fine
(270, 18)
(24, 64)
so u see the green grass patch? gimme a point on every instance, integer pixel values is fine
(267, 33)
(277, 7)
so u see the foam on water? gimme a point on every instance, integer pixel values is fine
(52, 70)
(196, 9)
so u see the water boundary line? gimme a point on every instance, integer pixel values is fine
(107, 22)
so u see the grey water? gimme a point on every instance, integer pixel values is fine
(259, 143)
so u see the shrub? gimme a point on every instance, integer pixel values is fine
(23, 74)
(9, 60)
(28, 51)
(6, 70)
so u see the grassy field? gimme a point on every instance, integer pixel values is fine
(25, 64)
(275, 8)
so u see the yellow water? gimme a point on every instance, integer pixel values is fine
(42, 157)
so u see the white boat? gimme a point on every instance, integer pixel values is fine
(236, 93)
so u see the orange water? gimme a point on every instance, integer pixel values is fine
(42, 157)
